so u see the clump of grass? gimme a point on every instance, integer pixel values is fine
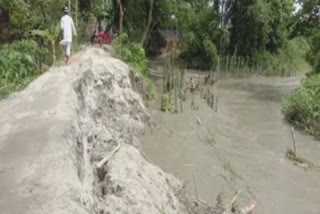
(165, 106)
(302, 108)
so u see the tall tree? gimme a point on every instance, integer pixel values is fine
(281, 13)
(147, 29)
(250, 26)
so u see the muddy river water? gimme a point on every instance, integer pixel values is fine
(242, 147)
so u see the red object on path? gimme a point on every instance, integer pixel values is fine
(109, 37)
(101, 35)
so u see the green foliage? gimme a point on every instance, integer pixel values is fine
(199, 47)
(210, 51)
(28, 15)
(134, 54)
(259, 25)
(19, 62)
(51, 33)
(313, 56)
(281, 15)
(303, 106)
(295, 52)
(307, 20)
(234, 35)
(289, 60)
(19, 12)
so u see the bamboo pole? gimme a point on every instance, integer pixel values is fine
(294, 140)
(176, 91)
(169, 83)
(164, 79)
(195, 187)
(180, 90)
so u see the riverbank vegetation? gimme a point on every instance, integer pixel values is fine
(236, 37)
(302, 108)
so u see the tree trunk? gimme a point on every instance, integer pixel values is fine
(120, 22)
(146, 31)
(69, 6)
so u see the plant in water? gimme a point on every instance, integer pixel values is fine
(165, 103)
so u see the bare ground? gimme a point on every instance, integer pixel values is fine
(69, 144)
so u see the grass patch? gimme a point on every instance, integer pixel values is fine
(9, 88)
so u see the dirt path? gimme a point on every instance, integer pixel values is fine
(242, 147)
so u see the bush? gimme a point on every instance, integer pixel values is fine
(19, 62)
(199, 52)
(313, 55)
(134, 55)
(291, 59)
(303, 107)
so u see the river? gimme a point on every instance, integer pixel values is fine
(242, 147)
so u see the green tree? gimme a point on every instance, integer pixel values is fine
(250, 26)
(281, 13)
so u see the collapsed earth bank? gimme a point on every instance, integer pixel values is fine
(68, 144)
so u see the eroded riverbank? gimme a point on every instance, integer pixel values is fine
(241, 147)
(68, 145)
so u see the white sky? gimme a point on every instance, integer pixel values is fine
(297, 7)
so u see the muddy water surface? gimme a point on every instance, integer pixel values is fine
(240, 147)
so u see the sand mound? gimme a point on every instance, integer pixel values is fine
(68, 145)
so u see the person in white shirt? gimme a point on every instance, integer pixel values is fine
(68, 31)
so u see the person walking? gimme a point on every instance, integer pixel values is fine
(68, 31)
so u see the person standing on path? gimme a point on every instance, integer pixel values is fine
(68, 31)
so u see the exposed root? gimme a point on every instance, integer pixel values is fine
(106, 159)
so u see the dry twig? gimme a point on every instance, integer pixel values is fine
(111, 155)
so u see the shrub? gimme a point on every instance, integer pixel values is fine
(303, 106)
(134, 55)
(288, 61)
(19, 62)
